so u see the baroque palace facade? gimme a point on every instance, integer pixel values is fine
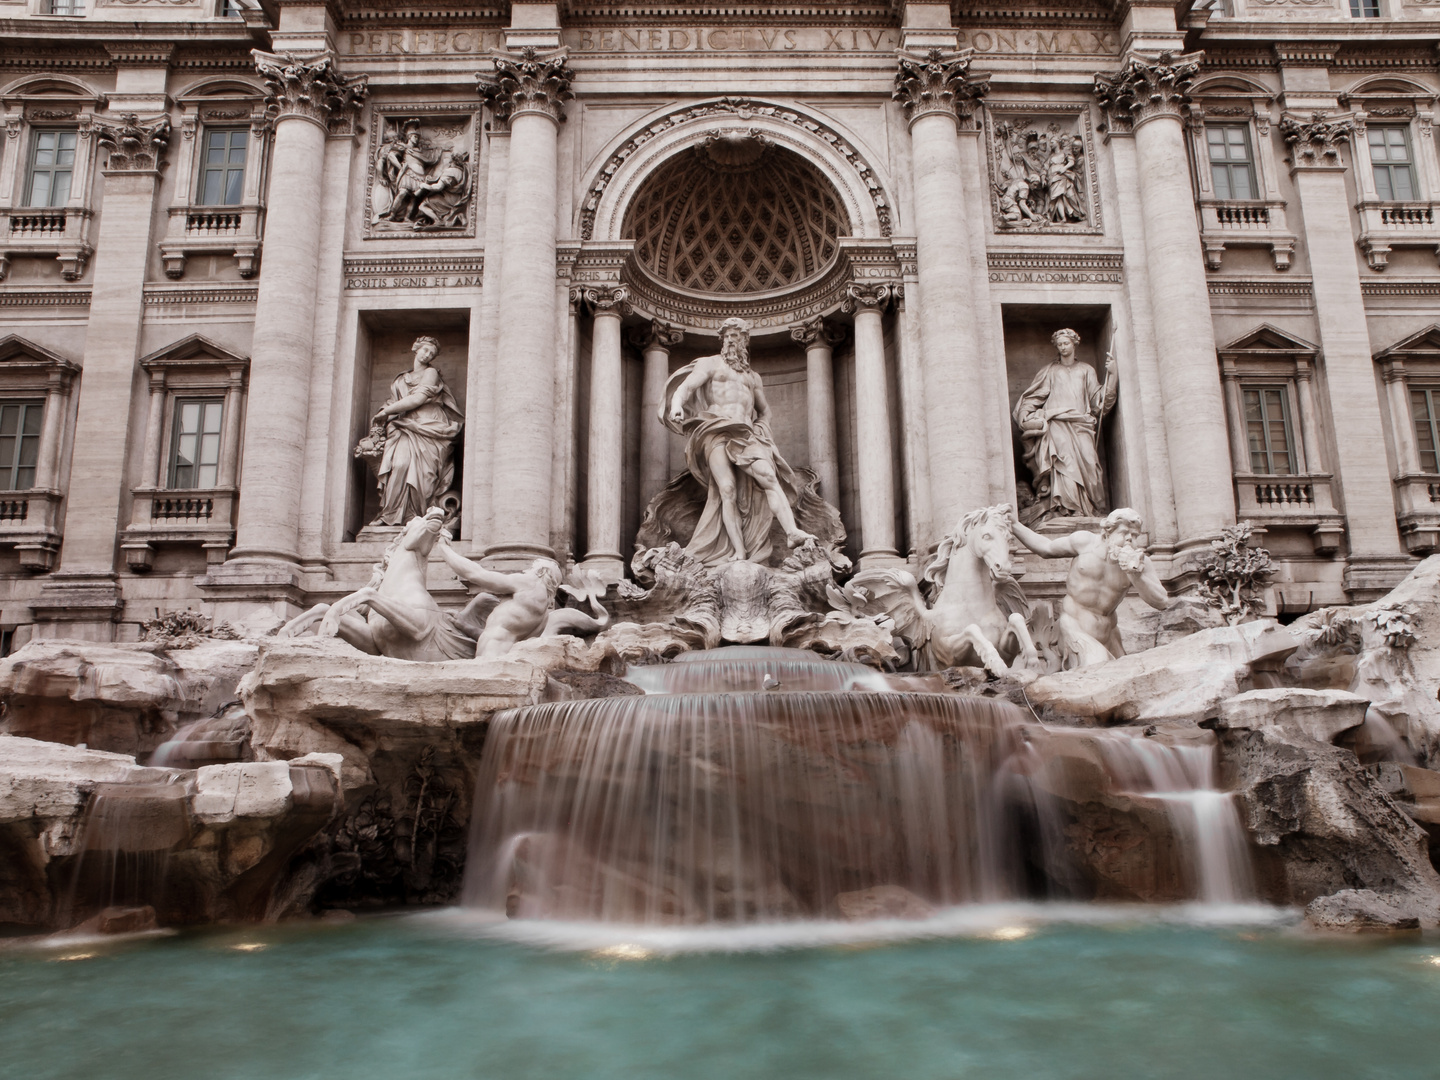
(224, 226)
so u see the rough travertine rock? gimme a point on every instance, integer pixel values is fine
(882, 902)
(1185, 680)
(1359, 911)
(126, 698)
(1321, 715)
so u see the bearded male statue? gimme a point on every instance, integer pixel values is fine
(718, 404)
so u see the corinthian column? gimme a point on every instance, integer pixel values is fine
(938, 95)
(655, 342)
(607, 432)
(1376, 560)
(1149, 97)
(304, 95)
(527, 91)
(820, 341)
(875, 462)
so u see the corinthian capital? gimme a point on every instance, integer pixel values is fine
(309, 86)
(531, 82)
(658, 335)
(1315, 142)
(1144, 89)
(603, 299)
(938, 82)
(134, 146)
(870, 296)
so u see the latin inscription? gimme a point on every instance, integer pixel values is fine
(414, 281)
(1056, 277)
(730, 39)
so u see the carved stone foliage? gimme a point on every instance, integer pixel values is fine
(134, 146)
(1042, 169)
(534, 81)
(818, 331)
(422, 172)
(309, 86)
(938, 82)
(1142, 90)
(1315, 142)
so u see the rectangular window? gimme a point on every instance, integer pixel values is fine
(52, 164)
(222, 171)
(195, 443)
(64, 7)
(1231, 167)
(19, 443)
(1390, 157)
(1267, 430)
(1365, 9)
(1427, 435)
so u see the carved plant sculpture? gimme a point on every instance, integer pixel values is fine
(1235, 574)
(1396, 625)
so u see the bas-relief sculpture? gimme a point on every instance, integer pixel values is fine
(1059, 416)
(1040, 175)
(411, 443)
(422, 176)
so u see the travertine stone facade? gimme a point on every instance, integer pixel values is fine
(224, 223)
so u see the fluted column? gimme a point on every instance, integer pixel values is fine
(527, 91)
(304, 95)
(607, 432)
(875, 461)
(820, 340)
(938, 94)
(655, 342)
(1149, 98)
(1376, 558)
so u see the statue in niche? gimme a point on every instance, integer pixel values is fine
(718, 404)
(1059, 416)
(1105, 566)
(1040, 179)
(411, 442)
(421, 183)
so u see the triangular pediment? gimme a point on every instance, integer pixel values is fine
(16, 349)
(1268, 339)
(195, 349)
(1426, 341)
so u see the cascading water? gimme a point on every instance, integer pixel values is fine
(127, 835)
(761, 784)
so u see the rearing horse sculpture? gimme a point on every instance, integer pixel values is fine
(979, 611)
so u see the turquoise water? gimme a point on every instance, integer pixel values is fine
(997, 993)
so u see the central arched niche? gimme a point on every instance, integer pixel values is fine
(736, 214)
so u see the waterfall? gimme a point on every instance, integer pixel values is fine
(126, 837)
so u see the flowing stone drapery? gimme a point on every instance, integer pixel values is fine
(875, 459)
(937, 94)
(304, 95)
(1149, 97)
(655, 342)
(527, 91)
(607, 432)
(820, 340)
(1376, 559)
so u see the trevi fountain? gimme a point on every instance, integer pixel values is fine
(660, 543)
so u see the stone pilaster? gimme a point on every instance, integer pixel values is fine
(609, 304)
(528, 91)
(820, 339)
(305, 96)
(875, 459)
(1149, 98)
(1376, 559)
(83, 596)
(938, 94)
(654, 342)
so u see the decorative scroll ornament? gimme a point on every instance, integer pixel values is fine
(603, 299)
(818, 332)
(309, 86)
(658, 335)
(1316, 142)
(938, 82)
(868, 295)
(134, 146)
(532, 82)
(1142, 90)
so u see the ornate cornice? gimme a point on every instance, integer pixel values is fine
(309, 87)
(603, 299)
(533, 82)
(134, 146)
(870, 296)
(658, 335)
(818, 332)
(938, 82)
(1143, 90)
(1315, 143)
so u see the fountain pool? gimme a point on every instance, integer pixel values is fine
(1013, 991)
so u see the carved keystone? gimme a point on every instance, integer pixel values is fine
(938, 82)
(533, 82)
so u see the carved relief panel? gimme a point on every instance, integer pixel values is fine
(1042, 167)
(422, 171)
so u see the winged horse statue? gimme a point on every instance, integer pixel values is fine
(979, 610)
